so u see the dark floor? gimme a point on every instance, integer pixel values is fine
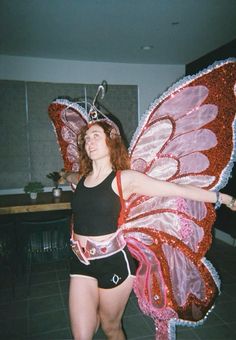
(44, 315)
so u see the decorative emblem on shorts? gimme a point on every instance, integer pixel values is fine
(92, 251)
(115, 279)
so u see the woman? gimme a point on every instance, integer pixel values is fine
(102, 270)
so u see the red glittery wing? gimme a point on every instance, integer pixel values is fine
(185, 137)
(67, 118)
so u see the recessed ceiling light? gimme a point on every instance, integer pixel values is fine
(146, 47)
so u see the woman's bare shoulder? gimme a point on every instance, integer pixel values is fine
(127, 180)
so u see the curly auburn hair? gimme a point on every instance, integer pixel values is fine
(118, 152)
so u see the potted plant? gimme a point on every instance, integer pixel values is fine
(33, 188)
(55, 177)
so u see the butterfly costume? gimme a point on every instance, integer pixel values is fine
(187, 136)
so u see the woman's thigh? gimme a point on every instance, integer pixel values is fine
(112, 301)
(83, 306)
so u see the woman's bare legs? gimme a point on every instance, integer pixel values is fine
(83, 306)
(112, 304)
(89, 305)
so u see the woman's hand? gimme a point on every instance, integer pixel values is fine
(232, 204)
(69, 176)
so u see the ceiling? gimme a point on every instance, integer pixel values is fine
(178, 31)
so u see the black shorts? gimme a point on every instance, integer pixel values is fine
(109, 271)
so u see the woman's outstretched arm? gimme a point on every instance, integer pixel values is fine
(139, 183)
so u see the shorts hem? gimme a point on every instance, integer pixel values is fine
(85, 276)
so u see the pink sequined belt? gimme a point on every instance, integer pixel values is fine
(98, 249)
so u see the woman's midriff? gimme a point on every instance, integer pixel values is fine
(83, 239)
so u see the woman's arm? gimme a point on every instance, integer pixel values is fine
(136, 182)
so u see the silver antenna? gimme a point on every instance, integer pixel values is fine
(101, 88)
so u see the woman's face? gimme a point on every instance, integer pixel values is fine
(95, 143)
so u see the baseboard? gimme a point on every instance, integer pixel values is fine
(221, 235)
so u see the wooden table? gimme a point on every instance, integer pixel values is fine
(22, 203)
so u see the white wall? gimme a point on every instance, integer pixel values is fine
(152, 80)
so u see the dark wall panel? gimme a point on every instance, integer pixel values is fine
(14, 153)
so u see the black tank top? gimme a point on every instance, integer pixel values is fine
(96, 209)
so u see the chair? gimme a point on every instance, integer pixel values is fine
(44, 242)
(8, 255)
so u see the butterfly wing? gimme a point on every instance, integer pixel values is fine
(67, 118)
(186, 137)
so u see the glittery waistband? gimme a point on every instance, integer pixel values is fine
(98, 249)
